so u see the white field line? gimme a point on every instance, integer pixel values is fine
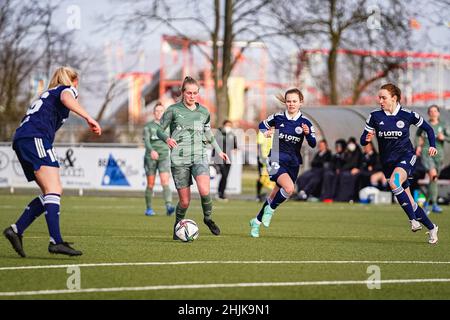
(223, 285)
(166, 237)
(171, 263)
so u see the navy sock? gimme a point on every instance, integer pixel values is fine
(280, 197)
(404, 201)
(52, 203)
(261, 212)
(34, 209)
(422, 217)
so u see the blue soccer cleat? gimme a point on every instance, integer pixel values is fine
(170, 209)
(436, 209)
(267, 216)
(149, 212)
(254, 231)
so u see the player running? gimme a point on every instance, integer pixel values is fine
(156, 159)
(291, 128)
(190, 131)
(433, 165)
(33, 144)
(391, 126)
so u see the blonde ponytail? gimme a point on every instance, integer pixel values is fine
(63, 76)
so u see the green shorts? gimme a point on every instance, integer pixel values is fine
(431, 162)
(151, 166)
(182, 175)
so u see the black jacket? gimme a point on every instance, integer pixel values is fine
(321, 160)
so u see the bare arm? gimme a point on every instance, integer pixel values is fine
(72, 104)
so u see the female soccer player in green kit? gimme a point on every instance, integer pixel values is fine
(432, 164)
(156, 159)
(190, 131)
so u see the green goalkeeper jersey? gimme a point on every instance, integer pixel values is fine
(191, 130)
(152, 142)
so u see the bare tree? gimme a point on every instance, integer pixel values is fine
(29, 45)
(222, 21)
(348, 24)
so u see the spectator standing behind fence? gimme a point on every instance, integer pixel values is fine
(310, 182)
(432, 164)
(227, 141)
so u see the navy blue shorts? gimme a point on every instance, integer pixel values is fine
(34, 153)
(276, 170)
(407, 163)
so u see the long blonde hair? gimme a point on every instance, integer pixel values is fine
(63, 76)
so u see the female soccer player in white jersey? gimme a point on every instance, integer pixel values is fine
(284, 159)
(391, 126)
(33, 144)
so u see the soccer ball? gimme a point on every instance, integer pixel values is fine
(368, 194)
(186, 230)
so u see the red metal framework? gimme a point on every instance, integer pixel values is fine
(137, 81)
(180, 57)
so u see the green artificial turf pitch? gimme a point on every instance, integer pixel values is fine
(310, 251)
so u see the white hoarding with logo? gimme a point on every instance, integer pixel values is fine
(104, 168)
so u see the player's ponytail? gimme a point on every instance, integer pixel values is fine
(64, 76)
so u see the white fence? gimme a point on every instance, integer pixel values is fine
(104, 167)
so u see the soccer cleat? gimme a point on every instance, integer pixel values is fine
(436, 209)
(15, 240)
(175, 237)
(170, 209)
(212, 226)
(63, 248)
(415, 225)
(149, 212)
(254, 231)
(267, 216)
(432, 235)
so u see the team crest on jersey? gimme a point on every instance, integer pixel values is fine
(400, 124)
(298, 130)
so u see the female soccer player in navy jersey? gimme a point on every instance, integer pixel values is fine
(290, 128)
(33, 144)
(391, 126)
